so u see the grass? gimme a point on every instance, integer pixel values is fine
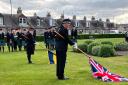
(14, 69)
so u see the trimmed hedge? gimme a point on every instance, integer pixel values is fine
(88, 41)
(106, 50)
(91, 45)
(107, 42)
(40, 38)
(122, 46)
(87, 36)
(95, 50)
(83, 47)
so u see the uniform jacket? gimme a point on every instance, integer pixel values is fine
(62, 44)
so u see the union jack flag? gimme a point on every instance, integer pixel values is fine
(101, 73)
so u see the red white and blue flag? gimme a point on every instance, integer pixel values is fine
(101, 73)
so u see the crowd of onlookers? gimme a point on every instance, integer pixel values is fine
(15, 39)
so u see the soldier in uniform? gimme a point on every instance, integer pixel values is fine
(8, 35)
(61, 48)
(51, 46)
(12, 41)
(126, 36)
(29, 46)
(19, 40)
(74, 34)
(46, 34)
(2, 41)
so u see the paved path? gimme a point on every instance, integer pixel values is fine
(122, 52)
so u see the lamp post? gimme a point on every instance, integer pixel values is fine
(11, 6)
(11, 12)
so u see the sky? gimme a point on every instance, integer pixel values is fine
(115, 10)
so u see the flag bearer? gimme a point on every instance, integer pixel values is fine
(61, 48)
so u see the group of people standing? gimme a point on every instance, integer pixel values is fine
(54, 39)
(17, 39)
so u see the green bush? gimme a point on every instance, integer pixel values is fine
(40, 38)
(107, 42)
(122, 46)
(83, 47)
(90, 46)
(95, 50)
(106, 50)
(88, 41)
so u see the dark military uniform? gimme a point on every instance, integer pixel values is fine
(8, 35)
(2, 42)
(74, 35)
(12, 41)
(19, 40)
(126, 36)
(30, 46)
(46, 34)
(61, 49)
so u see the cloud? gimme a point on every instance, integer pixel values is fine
(99, 8)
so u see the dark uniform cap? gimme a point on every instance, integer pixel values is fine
(66, 21)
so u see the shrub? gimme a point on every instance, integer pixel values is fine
(95, 50)
(83, 47)
(40, 38)
(90, 46)
(107, 42)
(88, 41)
(106, 51)
(122, 46)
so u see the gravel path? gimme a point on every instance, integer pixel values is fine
(122, 52)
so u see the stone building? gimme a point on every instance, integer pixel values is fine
(20, 21)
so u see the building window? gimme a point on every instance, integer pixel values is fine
(22, 20)
(1, 20)
(38, 22)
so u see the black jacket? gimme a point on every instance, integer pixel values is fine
(62, 44)
(30, 43)
(126, 36)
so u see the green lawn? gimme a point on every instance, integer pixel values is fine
(14, 69)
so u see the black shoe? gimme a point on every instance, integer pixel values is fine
(64, 78)
(30, 62)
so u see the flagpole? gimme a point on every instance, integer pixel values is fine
(84, 53)
(11, 12)
(11, 6)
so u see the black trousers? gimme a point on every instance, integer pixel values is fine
(29, 58)
(61, 59)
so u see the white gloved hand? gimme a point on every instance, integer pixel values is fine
(75, 46)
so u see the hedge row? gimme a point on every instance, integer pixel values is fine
(101, 49)
(87, 36)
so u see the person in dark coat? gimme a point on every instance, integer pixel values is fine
(74, 34)
(61, 48)
(29, 46)
(46, 34)
(12, 41)
(2, 41)
(19, 40)
(126, 36)
(34, 34)
(8, 40)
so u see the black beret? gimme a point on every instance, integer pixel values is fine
(66, 21)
